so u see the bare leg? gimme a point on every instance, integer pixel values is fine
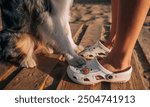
(113, 30)
(132, 14)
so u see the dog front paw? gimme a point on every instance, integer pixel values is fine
(76, 61)
(28, 63)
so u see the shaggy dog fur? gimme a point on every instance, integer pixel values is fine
(30, 23)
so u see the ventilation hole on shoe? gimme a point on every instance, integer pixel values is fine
(75, 77)
(91, 56)
(101, 54)
(86, 79)
(98, 77)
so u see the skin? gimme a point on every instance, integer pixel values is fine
(111, 39)
(130, 19)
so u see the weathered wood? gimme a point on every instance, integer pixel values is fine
(34, 79)
(75, 28)
(142, 64)
(144, 41)
(92, 34)
(5, 70)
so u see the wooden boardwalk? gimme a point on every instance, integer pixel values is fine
(50, 74)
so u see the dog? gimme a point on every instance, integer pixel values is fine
(28, 24)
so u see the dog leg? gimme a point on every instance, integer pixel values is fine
(62, 8)
(76, 48)
(26, 45)
(17, 48)
(54, 28)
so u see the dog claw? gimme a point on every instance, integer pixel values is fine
(77, 61)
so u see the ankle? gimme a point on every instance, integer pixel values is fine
(115, 64)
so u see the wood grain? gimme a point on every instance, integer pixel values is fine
(0, 21)
(34, 79)
(144, 41)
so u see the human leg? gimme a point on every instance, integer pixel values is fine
(130, 21)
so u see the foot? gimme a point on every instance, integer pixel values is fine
(76, 61)
(28, 62)
(117, 65)
(93, 72)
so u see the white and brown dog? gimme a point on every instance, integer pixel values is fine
(28, 23)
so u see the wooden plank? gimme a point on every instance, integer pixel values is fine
(33, 79)
(92, 34)
(136, 82)
(144, 41)
(3, 68)
(74, 28)
(142, 64)
(39, 77)
(6, 70)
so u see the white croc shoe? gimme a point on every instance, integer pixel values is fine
(96, 50)
(93, 72)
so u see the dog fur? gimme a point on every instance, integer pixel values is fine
(28, 23)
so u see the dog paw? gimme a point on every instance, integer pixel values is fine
(28, 63)
(79, 49)
(77, 61)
